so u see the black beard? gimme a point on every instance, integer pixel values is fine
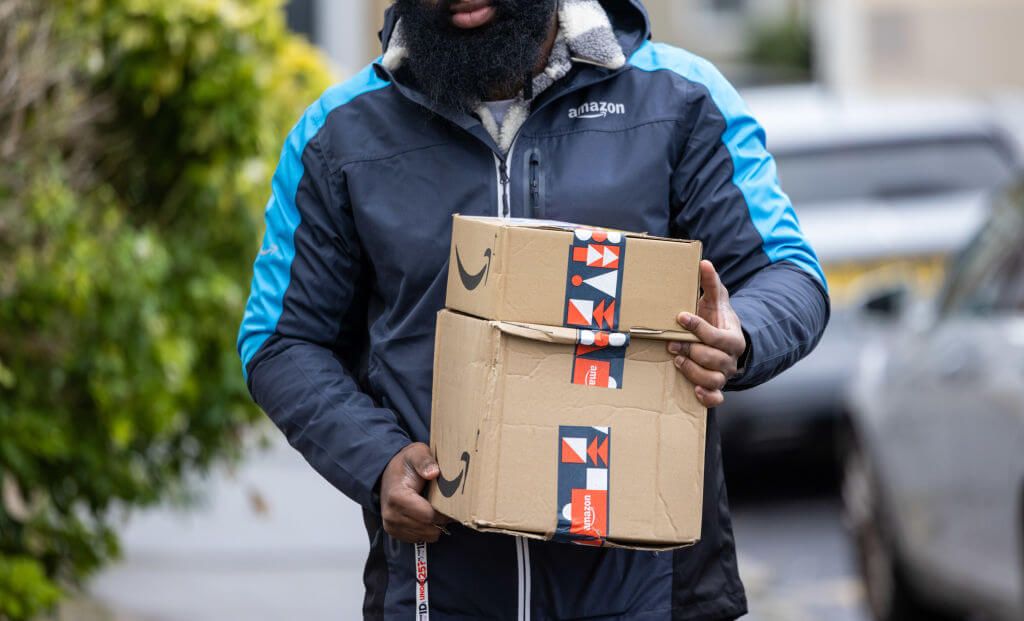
(457, 68)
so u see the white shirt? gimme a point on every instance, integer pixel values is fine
(499, 109)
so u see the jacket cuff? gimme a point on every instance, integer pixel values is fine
(743, 363)
(378, 467)
(372, 468)
(750, 312)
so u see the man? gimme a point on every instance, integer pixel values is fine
(524, 108)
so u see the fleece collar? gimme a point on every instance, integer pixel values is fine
(585, 35)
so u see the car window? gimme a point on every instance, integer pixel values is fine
(988, 275)
(1012, 299)
(894, 169)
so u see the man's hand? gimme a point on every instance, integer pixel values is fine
(710, 363)
(407, 515)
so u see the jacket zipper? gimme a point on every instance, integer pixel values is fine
(534, 165)
(504, 193)
(501, 163)
(522, 546)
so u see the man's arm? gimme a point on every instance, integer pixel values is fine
(304, 320)
(728, 196)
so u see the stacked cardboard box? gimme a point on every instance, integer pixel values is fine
(557, 411)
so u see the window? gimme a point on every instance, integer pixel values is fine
(301, 16)
(726, 6)
(1012, 298)
(988, 275)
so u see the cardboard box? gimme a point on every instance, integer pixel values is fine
(540, 434)
(552, 273)
(557, 412)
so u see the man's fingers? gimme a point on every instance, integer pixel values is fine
(415, 507)
(710, 398)
(410, 518)
(711, 358)
(714, 290)
(407, 515)
(698, 375)
(411, 531)
(408, 531)
(729, 341)
(707, 333)
(421, 462)
(707, 357)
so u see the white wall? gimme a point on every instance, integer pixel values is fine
(341, 30)
(970, 47)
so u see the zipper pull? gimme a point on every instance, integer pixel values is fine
(503, 176)
(503, 172)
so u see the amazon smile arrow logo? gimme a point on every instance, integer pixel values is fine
(472, 281)
(448, 488)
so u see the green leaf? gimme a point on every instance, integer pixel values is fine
(136, 164)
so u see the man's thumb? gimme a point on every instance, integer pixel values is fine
(714, 290)
(423, 462)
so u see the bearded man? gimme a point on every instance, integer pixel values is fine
(557, 109)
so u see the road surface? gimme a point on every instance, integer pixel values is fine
(273, 541)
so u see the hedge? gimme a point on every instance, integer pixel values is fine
(137, 139)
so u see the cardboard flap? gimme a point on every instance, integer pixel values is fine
(612, 542)
(664, 335)
(557, 225)
(537, 332)
(558, 334)
(646, 546)
(531, 223)
(484, 527)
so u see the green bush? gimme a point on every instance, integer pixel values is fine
(137, 139)
(783, 49)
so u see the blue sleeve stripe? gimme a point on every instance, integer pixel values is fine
(754, 172)
(272, 269)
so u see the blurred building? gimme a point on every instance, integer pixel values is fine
(345, 29)
(860, 46)
(720, 30)
(723, 30)
(969, 47)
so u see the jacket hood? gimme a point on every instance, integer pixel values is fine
(629, 20)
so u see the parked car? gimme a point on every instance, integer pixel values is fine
(933, 488)
(884, 190)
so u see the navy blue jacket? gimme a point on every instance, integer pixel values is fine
(338, 333)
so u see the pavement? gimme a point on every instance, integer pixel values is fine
(795, 563)
(271, 540)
